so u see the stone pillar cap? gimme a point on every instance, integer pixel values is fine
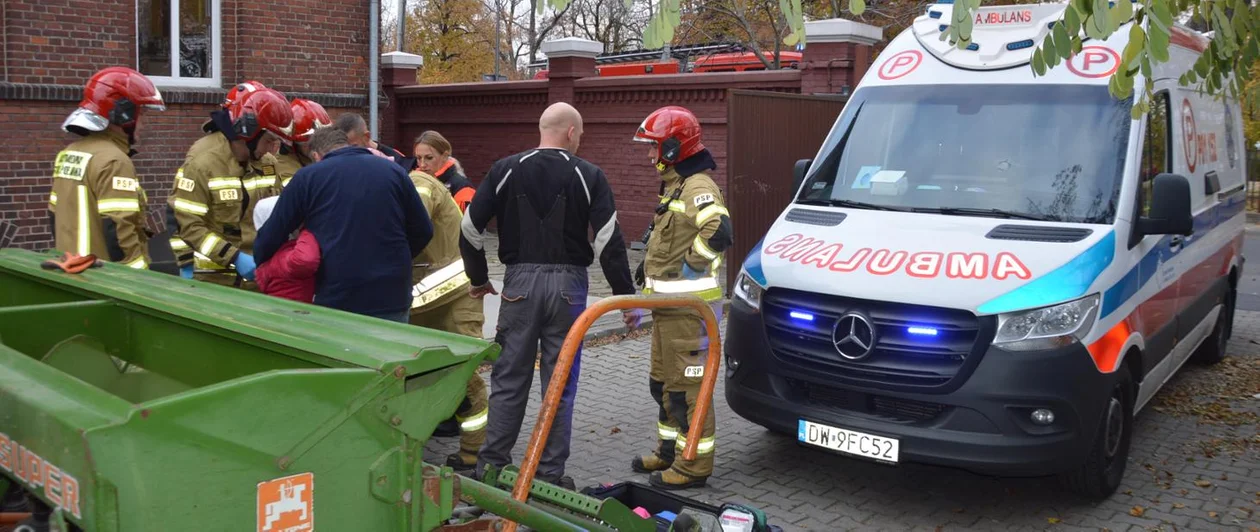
(841, 30)
(571, 47)
(401, 60)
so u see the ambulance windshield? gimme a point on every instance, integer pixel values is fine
(1042, 152)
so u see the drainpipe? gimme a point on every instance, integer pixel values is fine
(374, 57)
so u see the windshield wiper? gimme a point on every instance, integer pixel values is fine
(864, 205)
(997, 213)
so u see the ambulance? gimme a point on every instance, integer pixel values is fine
(987, 269)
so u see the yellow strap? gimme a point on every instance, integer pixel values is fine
(703, 248)
(178, 244)
(118, 205)
(84, 238)
(709, 212)
(474, 422)
(666, 432)
(678, 206)
(138, 264)
(191, 207)
(704, 447)
(217, 183)
(209, 243)
(256, 183)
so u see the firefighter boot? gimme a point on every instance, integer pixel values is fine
(658, 460)
(673, 479)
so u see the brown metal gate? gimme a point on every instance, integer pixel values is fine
(766, 133)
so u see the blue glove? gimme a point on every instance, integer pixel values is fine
(689, 273)
(245, 265)
(186, 271)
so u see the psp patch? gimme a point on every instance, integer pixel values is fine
(126, 184)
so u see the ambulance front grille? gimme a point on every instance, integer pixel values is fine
(948, 344)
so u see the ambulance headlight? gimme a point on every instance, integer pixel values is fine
(1048, 327)
(748, 291)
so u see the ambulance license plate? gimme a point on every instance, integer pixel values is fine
(848, 441)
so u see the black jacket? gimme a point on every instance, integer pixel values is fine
(540, 175)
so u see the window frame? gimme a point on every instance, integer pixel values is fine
(1139, 198)
(216, 48)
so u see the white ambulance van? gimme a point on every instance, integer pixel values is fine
(986, 269)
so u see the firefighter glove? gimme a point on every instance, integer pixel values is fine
(245, 265)
(639, 278)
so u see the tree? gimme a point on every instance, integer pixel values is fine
(451, 36)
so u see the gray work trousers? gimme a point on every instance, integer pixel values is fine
(540, 304)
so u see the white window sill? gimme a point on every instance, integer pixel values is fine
(185, 83)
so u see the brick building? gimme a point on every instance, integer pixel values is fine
(193, 49)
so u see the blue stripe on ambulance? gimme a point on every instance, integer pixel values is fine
(1137, 277)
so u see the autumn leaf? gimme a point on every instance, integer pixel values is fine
(615, 430)
(1054, 520)
(1213, 515)
(1203, 483)
(1137, 511)
(1178, 505)
(1128, 492)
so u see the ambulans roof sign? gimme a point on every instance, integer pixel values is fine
(1001, 37)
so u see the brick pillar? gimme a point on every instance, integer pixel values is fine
(568, 60)
(398, 69)
(837, 54)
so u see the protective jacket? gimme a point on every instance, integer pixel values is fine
(97, 203)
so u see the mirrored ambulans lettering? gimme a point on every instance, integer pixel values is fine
(809, 251)
(59, 488)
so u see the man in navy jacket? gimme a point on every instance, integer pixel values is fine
(368, 219)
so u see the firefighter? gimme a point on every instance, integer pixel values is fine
(211, 140)
(307, 117)
(440, 300)
(97, 204)
(217, 188)
(688, 235)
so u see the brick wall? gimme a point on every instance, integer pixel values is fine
(297, 45)
(309, 48)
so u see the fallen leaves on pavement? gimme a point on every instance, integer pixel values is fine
(1137, 511)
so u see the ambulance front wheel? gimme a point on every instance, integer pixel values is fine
(1103, 470)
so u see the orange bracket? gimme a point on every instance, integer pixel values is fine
(560, 377)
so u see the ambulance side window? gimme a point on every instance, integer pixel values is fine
(1156, 157)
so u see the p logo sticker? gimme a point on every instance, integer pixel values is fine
(287, 504)
(900, 64)
(1094, 62)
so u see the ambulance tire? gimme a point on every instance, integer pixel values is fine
(1212, 350)
(1103, 470)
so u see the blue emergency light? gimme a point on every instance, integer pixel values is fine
(922, 331)
(803, 316)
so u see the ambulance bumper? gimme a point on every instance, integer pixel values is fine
(982, 424)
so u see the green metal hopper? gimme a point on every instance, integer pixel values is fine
(133, 400)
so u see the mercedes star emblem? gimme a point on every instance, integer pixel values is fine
(854, 336)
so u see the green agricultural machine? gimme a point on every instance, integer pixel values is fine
(137, 401)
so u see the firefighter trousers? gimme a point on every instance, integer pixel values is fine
(462, 315)
(679, 352)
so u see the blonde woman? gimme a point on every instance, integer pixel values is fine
(433, 157)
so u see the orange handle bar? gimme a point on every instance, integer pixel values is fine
(560, 377)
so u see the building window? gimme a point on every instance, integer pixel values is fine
(178, 42)
(1156, 158)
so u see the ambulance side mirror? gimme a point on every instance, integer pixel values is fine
(798, 174)
(1170, 208)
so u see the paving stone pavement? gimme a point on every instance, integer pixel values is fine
(1171, 483)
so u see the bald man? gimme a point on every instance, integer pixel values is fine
(546, 201)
